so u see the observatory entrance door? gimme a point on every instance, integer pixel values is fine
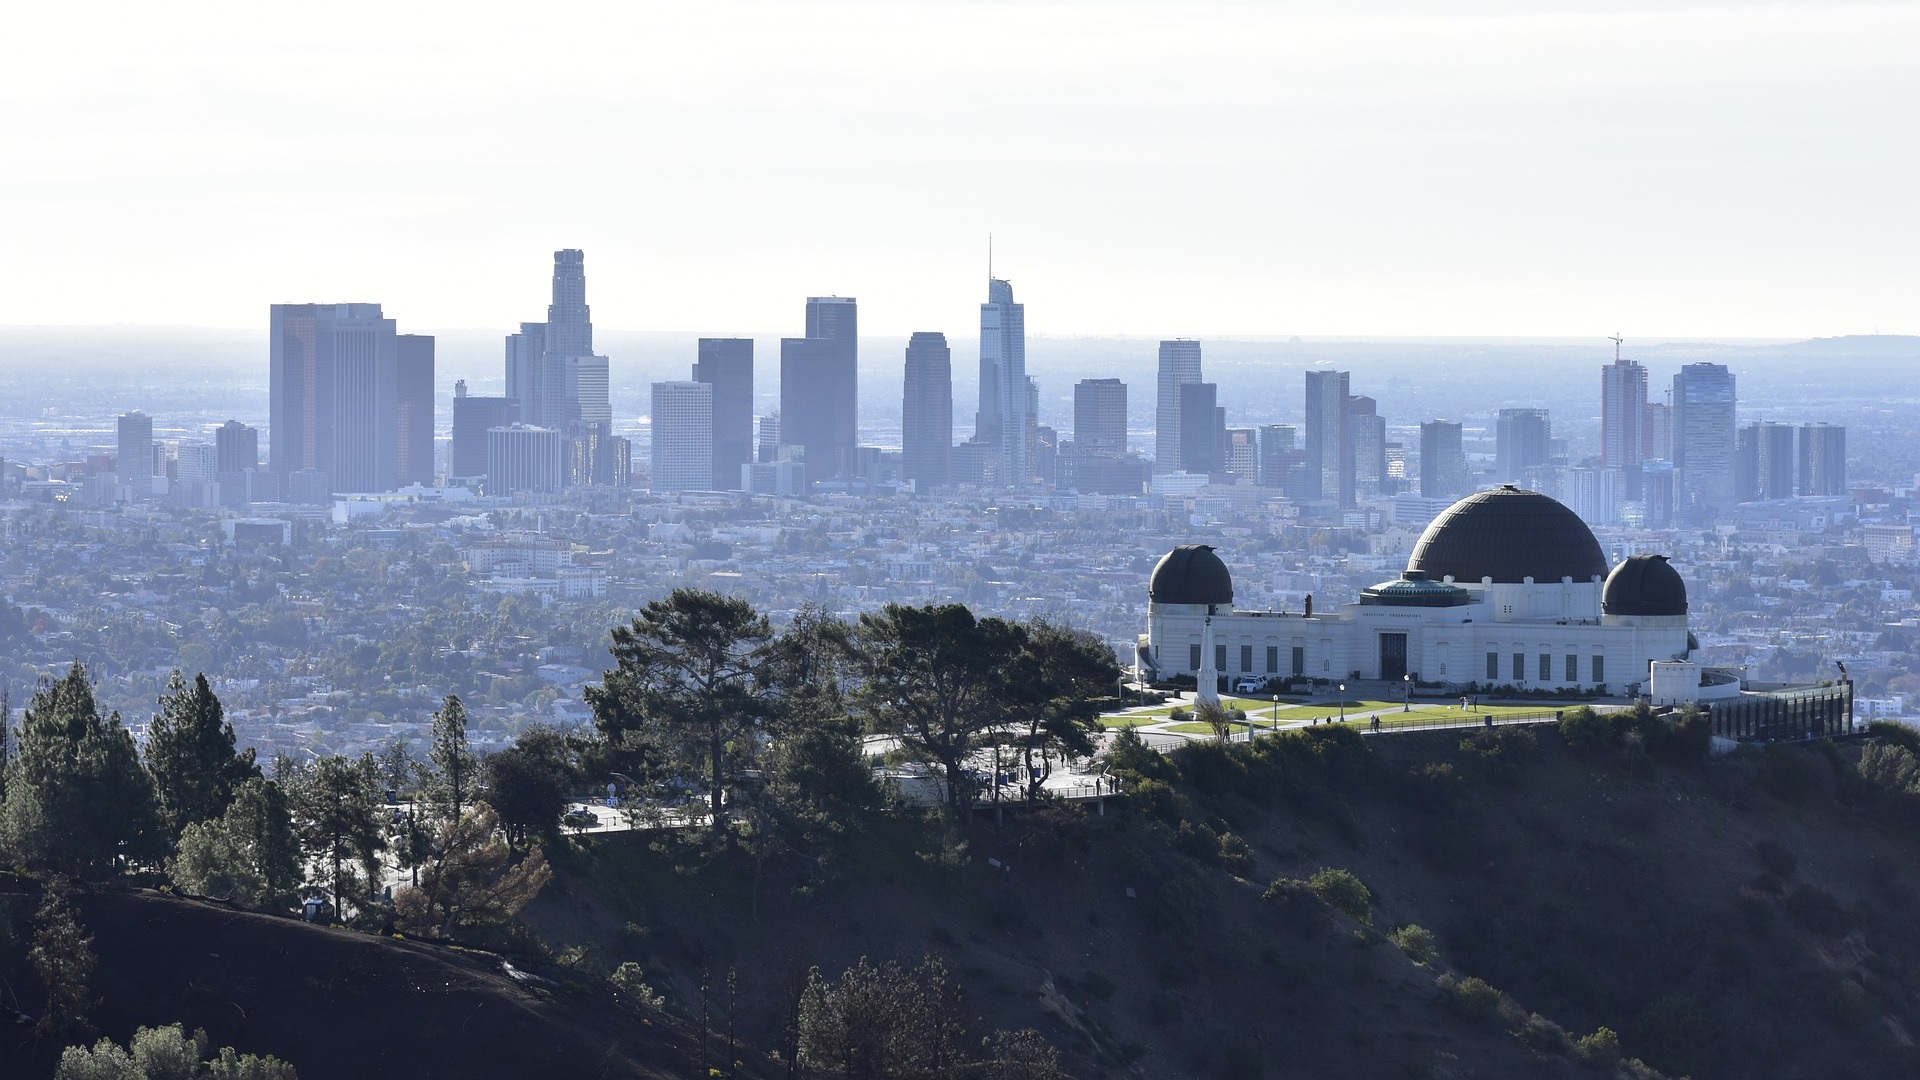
(1393, 657)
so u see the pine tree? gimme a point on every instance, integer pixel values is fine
(78, 802)
(337, 816)
(63, 957)
(248, 854)
(190, 753)
(450, 756)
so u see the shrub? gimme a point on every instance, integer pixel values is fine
(1418, 943)
(630, 980)
(1600, 1049)
(1235, 855)
(1586, 731)
(1343, 892)
(1470, 997)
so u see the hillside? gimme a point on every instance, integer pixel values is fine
(1740, 917)
(332, 1002)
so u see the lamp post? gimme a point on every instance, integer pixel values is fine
(1406, 703)
(1343, 703)
(1276, 712)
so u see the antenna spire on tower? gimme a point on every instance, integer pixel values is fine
(989, 258)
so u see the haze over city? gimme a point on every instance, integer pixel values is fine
(1496, 169)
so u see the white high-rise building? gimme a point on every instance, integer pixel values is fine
(522, 457)
(196, 461)
(682, 436)
(1179, 365)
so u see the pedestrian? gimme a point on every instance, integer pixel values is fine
(1376, 724)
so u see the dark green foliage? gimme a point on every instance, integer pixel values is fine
(1418, 943)
(1470, 997)
(452, 771)
(167, 1053)
(932, 676)
(1051, 690)
(78, 802)
(62, 955)
(688, 682)
(1894, 734)
(248, 854)
(191, 757)
(1131, 758)
(527, 790)
(339, 819)
(1586, 731)
(885, 1021)
(1343, 892)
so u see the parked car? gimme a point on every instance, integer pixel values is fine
(1249, 686)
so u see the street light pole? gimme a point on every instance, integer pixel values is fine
(1276, 712)
(1406, 704)
(1343, 703)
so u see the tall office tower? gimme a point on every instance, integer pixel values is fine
(1623, 410)
(197, 461)
(527, 381)
(1276, 450)
(682, 436)
(135, 464)
(521, 457)
(769, 443)
(1100, 417)
(1443, 460)
(551, 366)
(1656, 442)
(334, 395)
(473, 417)
(594, 456)
(237, 447)
(1369, 433)
(1658, 494)
(1003, 417)
(613, 461)
(1703, 438)
(1329, 440)
(1201, 432)
(1823, 459)
(413, 409)
(926, 411)
(819, 387)
(1763, 462)
(1520, 438)
(1242, 454)
(1179, 365)
(726, 364)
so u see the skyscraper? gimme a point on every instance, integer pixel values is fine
(926, 411)
(473, 417)
(819, 386)
(683, 436)
(1623, 411)
(1329, 440)
(726, 364)
(1764, 462)
(135, 464)
(1368, 429)
(1277, 454)
(1201, 432)
(333, 395)
(236, 447)
(1100, 417)
(1443, 460)
(551, 367)
(1703, 438)
(413, 409)
(1520, 443)
(1179, 365)
(1823, 459)
(1003, 419)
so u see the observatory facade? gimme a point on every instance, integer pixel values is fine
(1505, 587)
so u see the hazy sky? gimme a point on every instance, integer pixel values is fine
(1157, 169)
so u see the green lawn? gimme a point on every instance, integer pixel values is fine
(1113, 723)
